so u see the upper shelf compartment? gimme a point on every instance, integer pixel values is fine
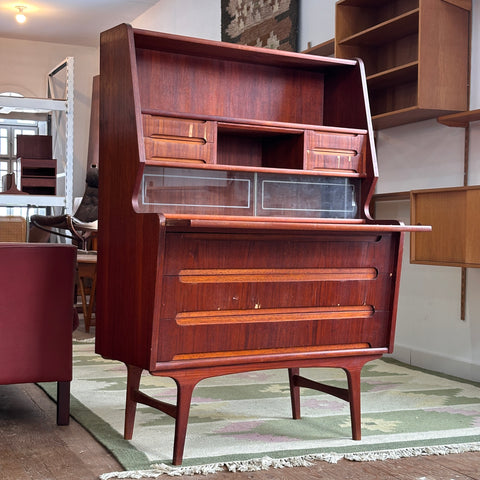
(250, 84)
(374, 15)
(387, 31)
(416, 55)
(206, 107)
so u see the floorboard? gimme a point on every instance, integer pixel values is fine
(33, 447)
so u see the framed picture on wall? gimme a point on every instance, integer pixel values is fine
(269, 24)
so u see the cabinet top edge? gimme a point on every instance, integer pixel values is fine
(172, 43)
(465, 188)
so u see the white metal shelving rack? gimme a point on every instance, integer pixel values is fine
(59, 106)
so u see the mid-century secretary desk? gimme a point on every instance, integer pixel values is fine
(234, 225)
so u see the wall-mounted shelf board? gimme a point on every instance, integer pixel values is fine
(325, 49)
(391, 196)
(47, 104)
(14, 200)
(461, 119)
(388, 197)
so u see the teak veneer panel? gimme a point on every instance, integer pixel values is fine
(338, 281)
(335, 151)
(179, 140)
(461, 119)
(453, 214)
(228, 83)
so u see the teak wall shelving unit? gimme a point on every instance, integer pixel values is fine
(453, 214)
(415, 54)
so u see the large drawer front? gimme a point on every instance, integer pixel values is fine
(335, 151)
(240, 293)
(179, 140)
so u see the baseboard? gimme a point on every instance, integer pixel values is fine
(437, 363)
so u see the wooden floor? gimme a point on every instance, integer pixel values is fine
(33, 447)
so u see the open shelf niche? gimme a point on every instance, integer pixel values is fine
(415, 54)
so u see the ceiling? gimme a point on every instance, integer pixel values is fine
(76, 22)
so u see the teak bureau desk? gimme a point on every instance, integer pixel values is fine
(235, 232)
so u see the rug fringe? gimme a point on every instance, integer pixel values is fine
(265, 463)
(412, 452)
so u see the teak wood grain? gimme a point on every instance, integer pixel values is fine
(192, 291)
(452, 213)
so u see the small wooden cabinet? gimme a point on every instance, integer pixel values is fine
(38, 168)
(454, 216)
(452, 212)
(416, 55)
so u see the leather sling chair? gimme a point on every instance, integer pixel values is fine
(83, 224)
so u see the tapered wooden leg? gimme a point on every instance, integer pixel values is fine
(184, 400)
(294, 392)
(353, 376)
(63, 403)
(87, 269)
(91, 303)
(133, 384)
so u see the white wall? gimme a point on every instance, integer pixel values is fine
(25, 66)
(192, 18)
(316, 22)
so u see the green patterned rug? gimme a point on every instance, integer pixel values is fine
(243, 421)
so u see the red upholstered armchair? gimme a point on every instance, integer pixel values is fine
(36, 305)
